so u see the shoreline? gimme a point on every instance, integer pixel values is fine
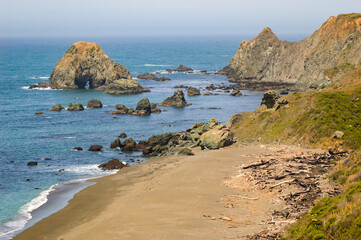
(173, 197)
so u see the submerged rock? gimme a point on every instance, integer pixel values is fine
(176, 100)
(192, 91)
(113, 164)
(56, 107)
(94, 103)
(75, 107)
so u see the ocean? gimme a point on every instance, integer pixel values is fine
(26, 136)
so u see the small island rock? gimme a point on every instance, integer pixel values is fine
(56, 107)
(176, 100)
(75, 107)
(94, 103)
(192, 91)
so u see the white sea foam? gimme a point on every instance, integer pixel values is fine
(155, 65)
(92, 169)
(47, 88)
(39, 77)
(69, 137)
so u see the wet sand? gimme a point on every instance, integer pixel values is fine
(177, 197)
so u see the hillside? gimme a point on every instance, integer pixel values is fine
(302, 64)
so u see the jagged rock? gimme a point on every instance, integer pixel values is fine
(32, 163)
(218, 137)
(338, 134)
(280, 103)
(95, 148)
(176, 100)
(123, 135)
(236, 93)
(56, 107)
(124, 86)
(75, 107)
(143, 107)
(77, 149)
(116, 143)
(186, 152)
(129, 145)
(304, 64)
(183, 68)
(147, 76)
(113, 164)
(192, 91)
(94, 103)
(270, 98)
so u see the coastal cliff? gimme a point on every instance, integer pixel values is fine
(304, 64)
(86, 63)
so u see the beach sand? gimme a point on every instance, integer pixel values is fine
(176, 197)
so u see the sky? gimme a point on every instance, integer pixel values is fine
(103, 18)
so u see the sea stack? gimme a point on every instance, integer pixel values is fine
(305, 64)
(177, 100)
(86, 64)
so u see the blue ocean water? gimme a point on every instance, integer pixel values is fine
(28, 137)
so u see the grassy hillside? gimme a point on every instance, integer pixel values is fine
(310, 119)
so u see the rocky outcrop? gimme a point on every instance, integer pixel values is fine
(75, 107)
(94, 103)
(270, 98)
(304, 64)
(56, 107)
(143, 107)
(150, 76)
(219, 136)
(192, 91)
(177, 100)
(181, 68)
(86, 63)
(113, 164)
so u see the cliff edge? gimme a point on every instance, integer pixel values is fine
(304, 64)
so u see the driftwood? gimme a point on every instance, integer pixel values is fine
(254, 165)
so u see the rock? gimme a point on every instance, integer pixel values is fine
(269, 98)
(183, 68)
(236, 93)
(141, 145)
(280, 103)
(218, 137)
(32, 86)
(77, 149)
(267, 59)
(94, 103)
(180, 86)
(124, 86)
(47, 159)
(75, 107)
(161, 139)
(95, 148)
(147, 76)
(154, 109)
(86, 63)
(338, 134)
(123, 135)
(116, 143)
(144, 106)
(207, 94)
(113, 164)
(163, 79)
(186, 152)
(129, 145)
(235, 119)
(44, 84)
(199, 128)
(32, 163)
(192, 91)
(39, 113)
(56, 107)
(176, 100)
(212, 123)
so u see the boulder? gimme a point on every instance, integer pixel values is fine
(186, 152)
(129, 145)
(144, 105)
(161, 139)
(56, 107)
(116, 143)
(270, 98)
(32, 163)
(94, 103)
(236, 93)
(113, 164)
(75, 107)
(123, 135)
(338, 134)
(95, 148)
(176, 100)
(218, 137)
(124, 86)
(192, 91)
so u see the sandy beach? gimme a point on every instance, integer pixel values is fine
(177, 197)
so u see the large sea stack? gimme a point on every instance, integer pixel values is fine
(304, 64)
(86, 63)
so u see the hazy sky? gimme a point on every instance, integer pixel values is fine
(54, 18)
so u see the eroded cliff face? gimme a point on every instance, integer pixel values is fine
(84, 63)
(305, 63)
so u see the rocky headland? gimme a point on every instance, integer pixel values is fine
(310, 63)
(86, 64)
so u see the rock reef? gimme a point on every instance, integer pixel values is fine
(304, 64)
